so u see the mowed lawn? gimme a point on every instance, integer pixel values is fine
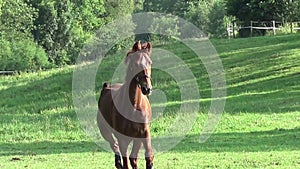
(260, 126)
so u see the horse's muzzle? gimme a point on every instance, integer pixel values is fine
(146, 90)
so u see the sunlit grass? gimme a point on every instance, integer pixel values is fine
(260, 126)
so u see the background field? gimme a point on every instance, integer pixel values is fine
(260, 127)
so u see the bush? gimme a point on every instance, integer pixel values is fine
(23, 55)
(5, 53)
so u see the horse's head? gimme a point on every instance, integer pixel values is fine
(139, 65)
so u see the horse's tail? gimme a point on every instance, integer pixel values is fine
(105, 85)
(103, 92)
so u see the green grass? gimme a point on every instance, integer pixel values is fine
(260, 127)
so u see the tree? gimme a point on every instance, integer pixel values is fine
(293, 11)
(175, 7)
(17, 19)
(115, 8)
(18, 49)
(53, 29)
(208, 15)
(88, 17)
(120, 9)
(217, 19)
(64, 26)
(138, 5)
(263, 10)
(166, 27)
(198, 14)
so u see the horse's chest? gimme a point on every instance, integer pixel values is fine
(134, 123)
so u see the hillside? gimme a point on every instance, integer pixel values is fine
(262, 72)
(39, 126)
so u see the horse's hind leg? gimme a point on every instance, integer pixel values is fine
(137, 144)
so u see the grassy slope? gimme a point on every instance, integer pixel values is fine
(261, 128)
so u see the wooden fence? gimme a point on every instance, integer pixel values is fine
(273, 26)
(6, 72)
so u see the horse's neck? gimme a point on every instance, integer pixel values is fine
(135, 94)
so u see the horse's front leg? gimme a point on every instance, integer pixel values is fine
(106, 133)
(137, 144)
(148, 153)
(123, 143)
(118, 163)
(115, 147)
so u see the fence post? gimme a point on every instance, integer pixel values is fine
(274, 28)
(233, 29)
(251, 28)
(291, 27)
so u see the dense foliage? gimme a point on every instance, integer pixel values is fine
(280, 10)
(54, 31)
(266, 10)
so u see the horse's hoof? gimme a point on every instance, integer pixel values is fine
(119, 166)
(150, 167)
(118, 163)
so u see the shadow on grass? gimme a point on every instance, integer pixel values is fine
(265, 141)
(32, 96)
(263, 79)
(274, 95)
(46, 147)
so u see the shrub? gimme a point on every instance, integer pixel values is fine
(23, 55)
(5, 53)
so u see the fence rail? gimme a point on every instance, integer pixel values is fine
(261, 25)
(6, 72)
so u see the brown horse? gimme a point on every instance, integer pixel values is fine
(125, 111)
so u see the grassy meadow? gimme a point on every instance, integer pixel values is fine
(260, 126)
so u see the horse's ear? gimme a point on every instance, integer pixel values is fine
(137, 46)
(149, 47)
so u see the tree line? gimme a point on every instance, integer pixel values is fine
(40, 34)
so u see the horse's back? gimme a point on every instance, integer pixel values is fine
(106, 92)
(105, 103)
